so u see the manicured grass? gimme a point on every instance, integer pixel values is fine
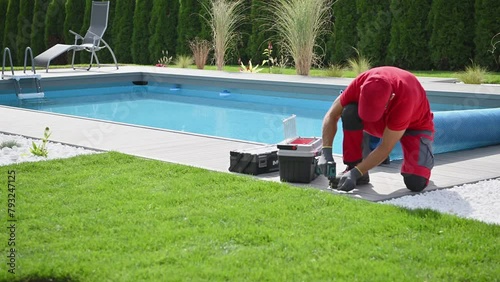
(113, 217)
(491, 77)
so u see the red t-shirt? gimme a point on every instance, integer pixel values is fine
(408, 109)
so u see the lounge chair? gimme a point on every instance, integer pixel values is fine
(90, 43)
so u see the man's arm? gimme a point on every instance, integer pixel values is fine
(389, 140)
(330, 121)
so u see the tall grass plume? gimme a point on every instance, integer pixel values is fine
(224, 17)
(298, 24)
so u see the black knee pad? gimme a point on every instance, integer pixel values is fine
(350, 118)
(415, 183)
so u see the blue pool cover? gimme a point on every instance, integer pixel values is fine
(464, 129)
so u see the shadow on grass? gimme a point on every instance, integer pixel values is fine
(46, 279)
(423, 213)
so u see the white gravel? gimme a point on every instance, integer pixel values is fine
(21, 152)
(479, 201)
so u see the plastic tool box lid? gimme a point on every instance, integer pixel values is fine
(295, 146)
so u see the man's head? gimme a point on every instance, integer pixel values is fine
(373, 99)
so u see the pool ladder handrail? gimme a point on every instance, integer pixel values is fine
(7, 51)
(36, 77)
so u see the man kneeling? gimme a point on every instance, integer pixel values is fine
(389, 103)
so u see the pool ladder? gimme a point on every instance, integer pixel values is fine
(17, 78)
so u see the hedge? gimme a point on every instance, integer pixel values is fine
(419, 34)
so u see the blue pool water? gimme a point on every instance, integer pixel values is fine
(245, 116)
(230, 115)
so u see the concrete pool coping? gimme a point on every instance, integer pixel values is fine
(213, 153)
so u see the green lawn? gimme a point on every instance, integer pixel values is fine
(490, 77)
(113, 217)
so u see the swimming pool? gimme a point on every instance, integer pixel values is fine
(243, 114)
(224, 113)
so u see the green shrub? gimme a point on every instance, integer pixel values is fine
(344, 36)
(141, 34)
(487, 25)
(123, 28)
(24, 23)
(191, 24)
(408, 47)
(260, 33)
(3, 11)
(374, 27)
(38, 27)
(163, 27)
(452, 26)
(74, 19)
(10, 34)
(495, 43)
(54, 23)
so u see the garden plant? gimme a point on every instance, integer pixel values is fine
(298, 24)
(201, 49)
(224, 17)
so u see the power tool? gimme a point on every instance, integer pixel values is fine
(331, 171)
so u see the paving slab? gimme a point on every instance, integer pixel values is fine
(212, 153)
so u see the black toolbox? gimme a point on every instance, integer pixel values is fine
(255, 161)
(298, 159)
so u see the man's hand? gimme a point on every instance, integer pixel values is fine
(348, 180)
(324, 159)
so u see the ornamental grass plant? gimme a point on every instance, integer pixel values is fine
(183, 61)
(359, 64)
(298, 25)
(200, 48)
(473, 74)
(224, 17)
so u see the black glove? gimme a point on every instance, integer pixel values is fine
(325, 158)
(348, 180)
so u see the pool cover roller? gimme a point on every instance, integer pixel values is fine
(466, 129)
(462, 130)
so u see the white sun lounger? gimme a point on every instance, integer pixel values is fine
(90, 43)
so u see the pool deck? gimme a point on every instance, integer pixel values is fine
(211, 153)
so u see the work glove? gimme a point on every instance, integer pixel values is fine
(348, 180)
(324, 159)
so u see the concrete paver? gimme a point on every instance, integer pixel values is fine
(213, 153)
